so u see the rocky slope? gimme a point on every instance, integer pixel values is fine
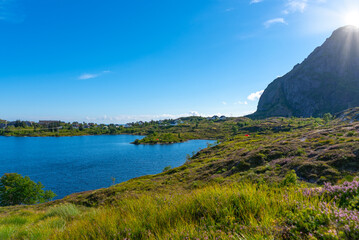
(327, 81)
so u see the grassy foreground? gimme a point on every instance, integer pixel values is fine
(236, 211)
(245, 187)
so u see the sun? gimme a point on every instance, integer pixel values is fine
(352, 18)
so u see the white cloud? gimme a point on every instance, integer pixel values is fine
(86, 76)
(135, 118)
(255, 1)
(270, 22)
(293, 6)
(194, 114)
(224, 103)
(255, 96)
(241, 103)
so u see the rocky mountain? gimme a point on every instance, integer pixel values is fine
(326, 81)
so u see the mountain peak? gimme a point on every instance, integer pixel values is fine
(348, 28)
(327, 81)
(346, 31)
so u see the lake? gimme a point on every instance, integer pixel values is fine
(67, 165)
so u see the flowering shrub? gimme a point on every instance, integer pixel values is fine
(325, 221)
(345, 195)
(306, 221)
(336, 217)
(346, 222)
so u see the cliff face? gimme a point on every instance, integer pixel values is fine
(327, 81)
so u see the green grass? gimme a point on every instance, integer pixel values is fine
(6, 232)
(234, 190)
(163, 138)
(189, 128)
(65, 211)
(13, 220)
(235, 211)
(213, 211)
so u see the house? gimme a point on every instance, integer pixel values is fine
(215, 117)
(11, 123)
(178, 121)
(28, 123)
(48, 122)
(223, 118)
(128, 125)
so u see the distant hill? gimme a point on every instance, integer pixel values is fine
(327, 81)
(349, 115)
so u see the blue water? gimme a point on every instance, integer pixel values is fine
(73, 164)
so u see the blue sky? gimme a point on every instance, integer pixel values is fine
(126, 60)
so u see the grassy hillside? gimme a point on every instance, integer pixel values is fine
(186, 127)
(242, 188)
(236, 211)
(166, 131)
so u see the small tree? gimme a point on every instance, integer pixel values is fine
(15, 190)
(327, 117)
(291, 179)
(167, 168)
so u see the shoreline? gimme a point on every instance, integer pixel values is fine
(78, 135)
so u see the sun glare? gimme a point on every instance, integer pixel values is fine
(352, 18)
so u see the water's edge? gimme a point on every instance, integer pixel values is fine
(82, 163)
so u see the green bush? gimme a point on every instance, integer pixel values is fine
(309, 221)
(167, 168)
(351, 134)
(327, 117)
(291, 179)
(15, 190)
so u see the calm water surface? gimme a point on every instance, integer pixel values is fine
(73, 164)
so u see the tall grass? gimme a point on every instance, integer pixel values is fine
(6, 231)
(242, 211)
(239, 211)
(65, 211)
(37, 225)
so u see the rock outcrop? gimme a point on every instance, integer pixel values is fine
(326, 82)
